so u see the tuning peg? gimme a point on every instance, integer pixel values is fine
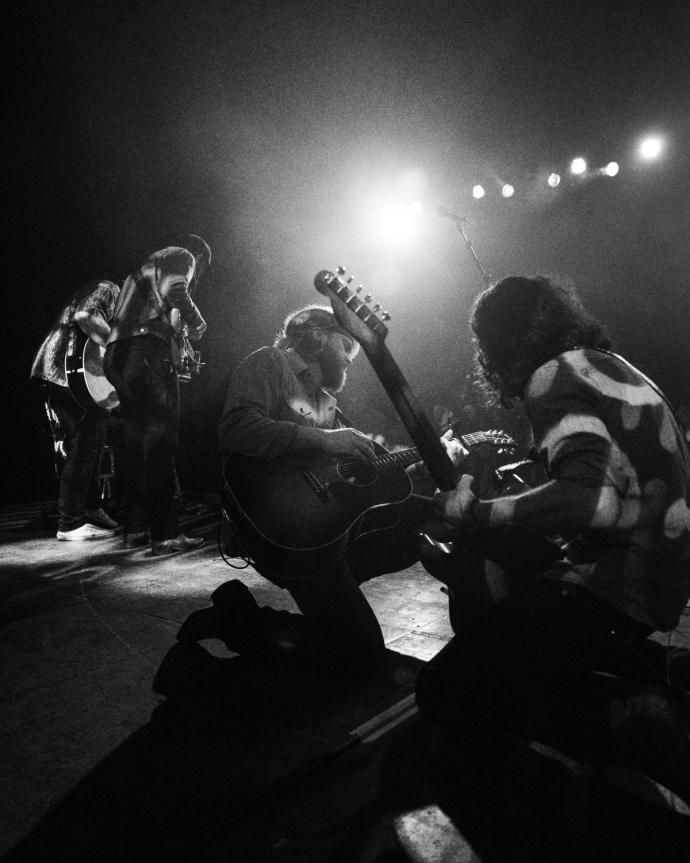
(377, 307)
(368, 298)
(349, 279)
(359, 289)
(386, 316)
(340, 271)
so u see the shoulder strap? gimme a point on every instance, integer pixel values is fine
(159, 299)
(340, 416)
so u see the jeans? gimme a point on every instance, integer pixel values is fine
(141, 372)
(82, 432)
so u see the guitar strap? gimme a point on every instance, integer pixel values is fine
(159, 298)
(139, 277)
(172, 334)
(340, 416)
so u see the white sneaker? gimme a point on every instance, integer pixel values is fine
(101, 518)
(86, 531)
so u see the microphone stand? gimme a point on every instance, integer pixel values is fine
(463, 226)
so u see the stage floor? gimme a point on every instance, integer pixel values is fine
(84, 628)
(96, 766)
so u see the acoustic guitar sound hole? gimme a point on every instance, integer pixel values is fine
(355, 472)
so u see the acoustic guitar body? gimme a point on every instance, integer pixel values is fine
(85, 376)
(295, 516)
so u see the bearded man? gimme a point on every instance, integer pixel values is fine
(281, 406)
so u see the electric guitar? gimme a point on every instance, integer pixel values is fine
(186, 361)
(85, 376)
(510, 547)
(299, 512)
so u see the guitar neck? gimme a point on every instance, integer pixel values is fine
(401, 459)
(413, 417)
(354, 314)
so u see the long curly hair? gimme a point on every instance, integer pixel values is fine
(520, 323)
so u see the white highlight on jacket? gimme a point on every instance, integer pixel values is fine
(573, 424)
(677, 519)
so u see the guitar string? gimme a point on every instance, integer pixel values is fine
(382, 462)
(391, 460)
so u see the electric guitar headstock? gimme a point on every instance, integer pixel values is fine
(503, 443)
(366, 324)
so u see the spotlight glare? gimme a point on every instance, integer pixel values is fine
(578, 166)
(554, 180)
(651, 147)
(507, 191)
(478, 191)
(395, 222)
(611, 169)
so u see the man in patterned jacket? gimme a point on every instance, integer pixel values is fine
(617, 498)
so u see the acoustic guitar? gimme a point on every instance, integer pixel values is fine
(298, 513)
(85, 376)
(512, 548)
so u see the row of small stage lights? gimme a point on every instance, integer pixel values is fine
(649, 149)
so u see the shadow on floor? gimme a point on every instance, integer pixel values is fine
(407, 798)
(211, 759)
(247, 763)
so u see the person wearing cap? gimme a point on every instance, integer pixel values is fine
(142, 361)
(281, 403)
(78, 429)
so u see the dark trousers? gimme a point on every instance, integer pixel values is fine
(141, 372)
(507, 669)
(337, 629)
(82, 431)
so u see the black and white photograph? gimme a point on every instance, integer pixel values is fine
(345, 500)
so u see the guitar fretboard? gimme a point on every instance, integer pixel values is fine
(495, 437)
(406, 457)
(402, 458)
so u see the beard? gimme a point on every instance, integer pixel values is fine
(333, 372)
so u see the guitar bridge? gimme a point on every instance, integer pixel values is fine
(317, 485)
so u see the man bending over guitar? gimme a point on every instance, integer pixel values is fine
(281, 411)
(617, 494)
(142, 361)
(79, 425)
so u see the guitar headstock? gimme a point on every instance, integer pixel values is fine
(351, 309)
(501, 440)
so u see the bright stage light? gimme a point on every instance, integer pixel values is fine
(578, 166)
(651, 147)
(554, 180)
(395, 223)
(611, 169)
(507, 191)
(478, 192)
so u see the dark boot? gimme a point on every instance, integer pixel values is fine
(233, 618)
(236, 619)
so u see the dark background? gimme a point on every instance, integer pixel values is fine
(278, 129)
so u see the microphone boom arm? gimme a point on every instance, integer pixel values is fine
(463, 228)
(463, 225)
